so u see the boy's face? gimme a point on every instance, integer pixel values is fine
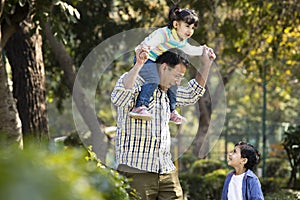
(235, 158)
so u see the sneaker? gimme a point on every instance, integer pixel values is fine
(140, 113)
(176, 118)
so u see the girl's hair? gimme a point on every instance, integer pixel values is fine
(251, 153)
(187, 15)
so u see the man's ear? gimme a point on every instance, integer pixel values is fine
(164, 66)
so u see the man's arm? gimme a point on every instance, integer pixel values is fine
(130, 78)
(202, 74)
(196, 88)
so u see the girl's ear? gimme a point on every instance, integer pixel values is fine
(175, 24)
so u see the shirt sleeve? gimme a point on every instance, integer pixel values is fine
(121, 96)
(255, 189)
(192, 50)
(154, 39)
(191, 94)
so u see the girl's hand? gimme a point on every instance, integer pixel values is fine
(210, 52)
(141, 56)
(144, 52)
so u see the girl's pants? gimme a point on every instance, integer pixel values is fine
(149, 73)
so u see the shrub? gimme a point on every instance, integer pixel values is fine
(206, 166)
(277, 167)
(204, 181)
(37, 173)
(186, 162)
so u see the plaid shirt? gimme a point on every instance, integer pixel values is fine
(145, 145)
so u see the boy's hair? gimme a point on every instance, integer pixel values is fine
(251, 153)
(174, 57)
(187, 15)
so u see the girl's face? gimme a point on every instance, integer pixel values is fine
(183, 29)
(235, 158)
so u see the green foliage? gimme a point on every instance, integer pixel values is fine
(277, 175)
(277, 167)
(186, 161)
(37, 173)
(206, 166)
(291, 143)
(204, 180)
(282, 194)
(269, 185)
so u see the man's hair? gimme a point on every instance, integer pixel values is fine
(174, 57)
(251, 153)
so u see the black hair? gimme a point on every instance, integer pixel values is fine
(173, 57)
(251, 153)
(189, 16)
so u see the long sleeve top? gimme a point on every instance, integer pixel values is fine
(163, 39)
(145, 145)
(251, 187)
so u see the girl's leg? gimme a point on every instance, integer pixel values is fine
(172, 97)
(175, 117)
(149, 73)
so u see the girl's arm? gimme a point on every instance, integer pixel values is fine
(153, 40)
(193, 50)
(198, 51)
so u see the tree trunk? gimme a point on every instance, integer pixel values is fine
(201, 143)
(10, 124)
(97, 138)
(24, 52)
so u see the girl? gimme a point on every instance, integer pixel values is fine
(182, 23)
(242, 183)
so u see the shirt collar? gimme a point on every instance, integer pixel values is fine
(175, 35)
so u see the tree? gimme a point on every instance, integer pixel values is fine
(291, 143)
(24, 52)
(10, 125)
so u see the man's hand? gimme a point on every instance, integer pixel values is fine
(202, 74)
(141, 56)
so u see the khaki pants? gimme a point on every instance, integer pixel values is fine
(153, 186)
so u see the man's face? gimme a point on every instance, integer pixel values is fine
(172, 76)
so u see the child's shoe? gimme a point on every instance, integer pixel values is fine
(176, 118)
(141, 113)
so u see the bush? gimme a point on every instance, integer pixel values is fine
(186, 162)
(204, 181)
(277, 167)
(206, 166)
(277, 174)
(37, 173)
(282, 194)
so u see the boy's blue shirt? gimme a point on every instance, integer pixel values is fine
(251, 187)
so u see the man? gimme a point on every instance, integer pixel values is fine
(143, 147)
